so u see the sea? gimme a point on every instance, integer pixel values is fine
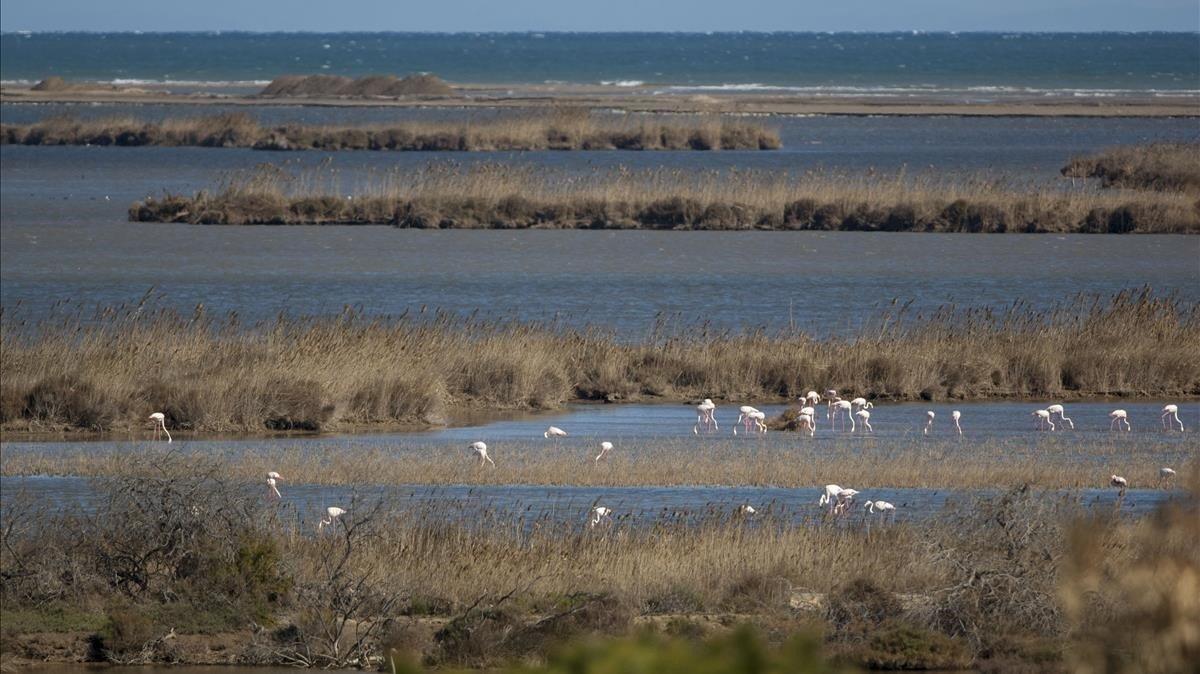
(961, 66)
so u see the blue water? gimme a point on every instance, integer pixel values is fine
(976, 66)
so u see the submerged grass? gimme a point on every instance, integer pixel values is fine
(560, 130)
(1165, 167)
(110, 370)
(803, 464)
(505, 196)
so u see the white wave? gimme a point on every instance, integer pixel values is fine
(622, 83)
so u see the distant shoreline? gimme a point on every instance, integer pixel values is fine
(644, 99)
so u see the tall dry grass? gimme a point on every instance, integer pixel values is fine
(512, 196)
(559, 130)
(208, 374)
(1167, 167)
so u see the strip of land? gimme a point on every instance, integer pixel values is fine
(592, 97)
(109, 371)
(506, 196)
(575, 130)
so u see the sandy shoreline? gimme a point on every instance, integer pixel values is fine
(645, 100)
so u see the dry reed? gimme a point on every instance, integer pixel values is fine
(443, 195)
(562, 130)
(110, 370)
(1171, 167)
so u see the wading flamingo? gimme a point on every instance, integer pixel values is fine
(480, 449)
(1043, 419)
(812, 414)
(760, 421)
(1118, 417)
(883, 507)
(1171, 412)
(812, 398)
(929, 421)
(599, 514)
(861, 403)
(841, 410)
(272, 490)
(331, 514)
(830, 396)
(829, 496)
(865, 417)
(554, 432)
(748, 417)
(1063, 420)
(747, 509)
(805, 422)
(1164, 476)
(1119, 482)
(955, 416)
(605, 448)
(160, 425)
(845, 501)
(706, 417)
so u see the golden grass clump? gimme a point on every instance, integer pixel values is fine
(442, 195)
(556, 130)
(1165, 167)
(110, 370)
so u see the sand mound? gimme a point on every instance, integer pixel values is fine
(371, 85)
(52, 83)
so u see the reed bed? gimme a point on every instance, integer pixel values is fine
(1165, 167)
(506, 196)
(562, 130)
(108, 371)
(801, 465)
(1014, 576)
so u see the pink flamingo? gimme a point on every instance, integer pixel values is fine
(331, 514)
(865, 416)
(841, 410)
(829, 496)
(956, 415)
(1118, 417)
(1062, 416)
(1171, 412)
(160, 421)
(929, 421)
(1043, 419)
(480, 449)
(706, 418)
(272, 490)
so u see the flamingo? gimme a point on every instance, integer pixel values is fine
(829, 496)
(861, 402)
(161, 426)
(599, 514)
(812, 398)
(605, 448)
(1118, 417)
(1171, 412)
(883, 507)
(746, 417)
(331, 514)
(845, 500)
(955, 416)
(706, 417)
(760, 421)
(554, 432)
(1164, 476)
(1062, 416)
(1118, 481)
(805, 422)
(811, 412)
(272, 490)
(841, 407)
(929, 421)
(866, 420)
(747, 509)
(480, 448)
(1043, 419)
(830, 396)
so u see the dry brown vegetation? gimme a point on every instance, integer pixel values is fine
(969, 464)
(1005, 581)
(1165, 167)
(557, 130)
(507, 196)
(370, 86)
(108, 371)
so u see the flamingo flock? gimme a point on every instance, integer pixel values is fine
(837, 500)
